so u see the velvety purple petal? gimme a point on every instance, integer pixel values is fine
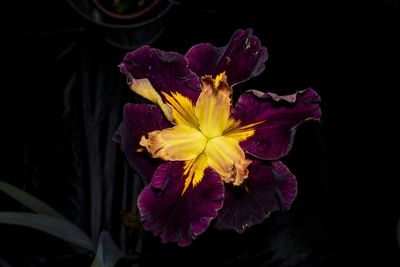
(204, 58)
(138, 120)
(241, 59)
(167, 71)
(176, 217)
(282, 114)
(269, 187)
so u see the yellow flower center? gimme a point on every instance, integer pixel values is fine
(204, 134)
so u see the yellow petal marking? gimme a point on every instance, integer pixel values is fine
(241, 133)
(182, 109)
(194, 170)
(180, 142)
(144, 88)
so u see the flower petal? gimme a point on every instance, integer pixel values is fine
(194, 170)
(227, 158)
(180, 142)
(144, 88)
(274, 137)
(183, 111)
(166, 71)
(176, 217)
(270, 187)
(242, 59)
(213, 108)
(136, 123)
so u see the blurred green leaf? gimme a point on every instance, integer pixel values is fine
(107, 254)
(57, 227)
(3, 263)
(28, 200)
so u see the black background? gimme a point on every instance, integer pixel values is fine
(347, 208)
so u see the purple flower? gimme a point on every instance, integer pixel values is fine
(202, 158)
